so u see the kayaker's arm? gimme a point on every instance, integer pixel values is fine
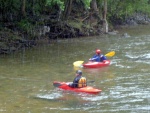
(103, 57)
(93, 58)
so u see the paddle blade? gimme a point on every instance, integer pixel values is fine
(78, 63)
(110, 54)
(56, 84)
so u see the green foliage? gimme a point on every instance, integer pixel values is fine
(25, 25)
(117, 9)
(120, 9)
(51, 3)
(142, 6)
(10, 6)
(86, 3)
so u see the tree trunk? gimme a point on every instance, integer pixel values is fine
(3, 10)
(93, 5)
(94, 9)
(68, 6)
(33, 12)
(105, 24)
(23, 11)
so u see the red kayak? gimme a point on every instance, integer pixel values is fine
(87, 89)
(96, 64)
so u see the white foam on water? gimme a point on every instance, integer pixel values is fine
(50, 96)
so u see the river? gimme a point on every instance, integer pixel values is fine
(26, 76)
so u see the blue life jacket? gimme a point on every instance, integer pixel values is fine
(99, 58)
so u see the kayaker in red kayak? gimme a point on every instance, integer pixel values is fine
(78, 81)
(98, 57)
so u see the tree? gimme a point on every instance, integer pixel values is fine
(67, 11)
(94, 8)
(105, 23)
(23, 8)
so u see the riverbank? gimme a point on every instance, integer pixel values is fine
(13, 39)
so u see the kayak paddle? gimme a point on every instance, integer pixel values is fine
(79, 63)
(58, 84)
(110, 54)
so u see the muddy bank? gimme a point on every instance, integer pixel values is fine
(13, 39)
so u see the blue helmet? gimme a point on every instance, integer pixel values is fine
(79, 72)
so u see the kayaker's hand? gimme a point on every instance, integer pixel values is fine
(104, 61)
(68, 83)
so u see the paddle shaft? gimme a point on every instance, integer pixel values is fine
(59, 84)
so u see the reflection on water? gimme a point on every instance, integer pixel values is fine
(26, 77)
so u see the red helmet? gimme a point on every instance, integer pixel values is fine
(98, 51)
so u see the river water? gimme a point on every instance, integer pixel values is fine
(26, 76)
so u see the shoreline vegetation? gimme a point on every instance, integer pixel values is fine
(26, 23)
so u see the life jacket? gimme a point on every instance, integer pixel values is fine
(82, 82)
